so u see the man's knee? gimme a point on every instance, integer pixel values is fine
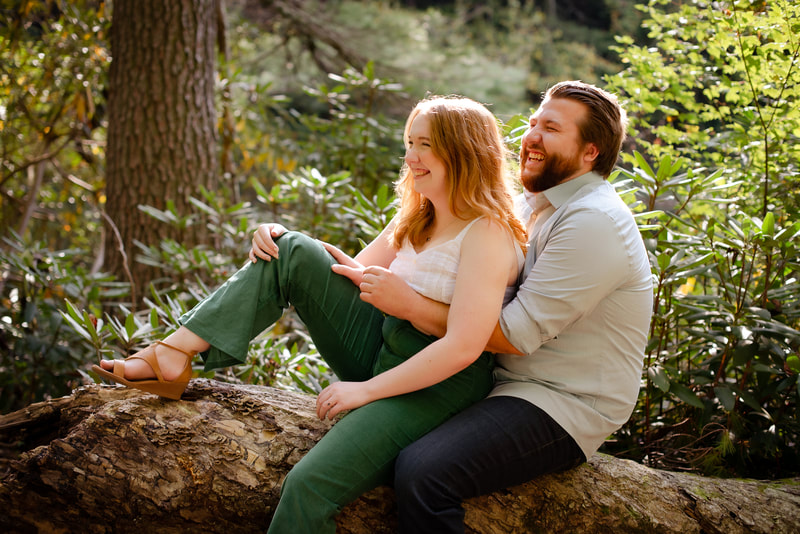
(404, 473)
(416, 473)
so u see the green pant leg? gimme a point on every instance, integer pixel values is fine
(358, 453)
(346, 330)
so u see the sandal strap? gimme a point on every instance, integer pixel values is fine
(191, 354)
(119, 368)
(150, 358)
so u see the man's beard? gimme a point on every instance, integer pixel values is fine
(557, 168)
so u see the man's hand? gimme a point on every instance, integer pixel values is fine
(264, 246)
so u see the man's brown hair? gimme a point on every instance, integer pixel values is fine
(605, 124)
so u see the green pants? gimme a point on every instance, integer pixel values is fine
(358, 342)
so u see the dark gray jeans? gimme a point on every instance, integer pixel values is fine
(496, 443)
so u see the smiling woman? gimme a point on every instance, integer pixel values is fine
(430, 179)
(396, 381)
(422, 161)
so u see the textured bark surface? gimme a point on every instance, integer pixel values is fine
(109, 459)
(162, 121)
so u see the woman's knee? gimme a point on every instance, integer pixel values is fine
(302, 255)
(299, 483)
(292, 242)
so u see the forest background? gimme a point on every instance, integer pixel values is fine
(142, 141)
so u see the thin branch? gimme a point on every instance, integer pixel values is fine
(761, 120)
(124, 258)
(33, 195)
(36, 160)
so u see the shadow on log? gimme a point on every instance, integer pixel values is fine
(108, 459)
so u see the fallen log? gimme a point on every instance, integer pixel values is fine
(109, 459)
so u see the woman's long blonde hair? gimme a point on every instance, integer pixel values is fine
(466, 137)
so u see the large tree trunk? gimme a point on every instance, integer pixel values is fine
(112, 459)
(162, 137)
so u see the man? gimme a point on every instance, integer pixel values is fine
(570, 346)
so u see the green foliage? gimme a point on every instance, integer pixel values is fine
(229, 228)
(40, 355)
(352, 134)
(718, 89)
(328, 207)
(53, 60)
(720, 394)
(337, 128)
(721, 86)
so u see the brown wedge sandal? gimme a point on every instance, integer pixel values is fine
(171, 389)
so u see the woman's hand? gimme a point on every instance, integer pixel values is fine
(264, 246)
(379, 286)
(341, 396)
(346, 266)
(388, 292)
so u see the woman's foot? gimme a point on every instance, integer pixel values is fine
(164, 368)
(171, 355)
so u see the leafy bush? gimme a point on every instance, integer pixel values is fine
(282, 356)
(40, 355)
(52, 60)
(718, 88)
(720, 392)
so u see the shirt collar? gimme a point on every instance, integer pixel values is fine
(562, 192)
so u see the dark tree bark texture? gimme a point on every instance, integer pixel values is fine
(162, 132)
(109, 459)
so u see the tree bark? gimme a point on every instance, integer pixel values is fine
(109, 459)
(162, 137)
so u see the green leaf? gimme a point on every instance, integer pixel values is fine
(726, 397)
(664, 261)
(90, 327)
(130, 325)
(77, 327)
(762, 368)
(768, 226)
(73, 311)
(743, 354)
(642, 164)
(659, 377)
(686, 395)
(761, 313)
(205, 208)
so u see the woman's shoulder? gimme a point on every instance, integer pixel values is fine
(484, 227)
(489, 235)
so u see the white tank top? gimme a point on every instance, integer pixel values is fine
(432, 272)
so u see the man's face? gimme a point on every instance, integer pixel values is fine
(552, 150)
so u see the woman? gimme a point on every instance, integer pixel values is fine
(455, 212)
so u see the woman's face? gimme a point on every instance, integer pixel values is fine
(427, 168)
